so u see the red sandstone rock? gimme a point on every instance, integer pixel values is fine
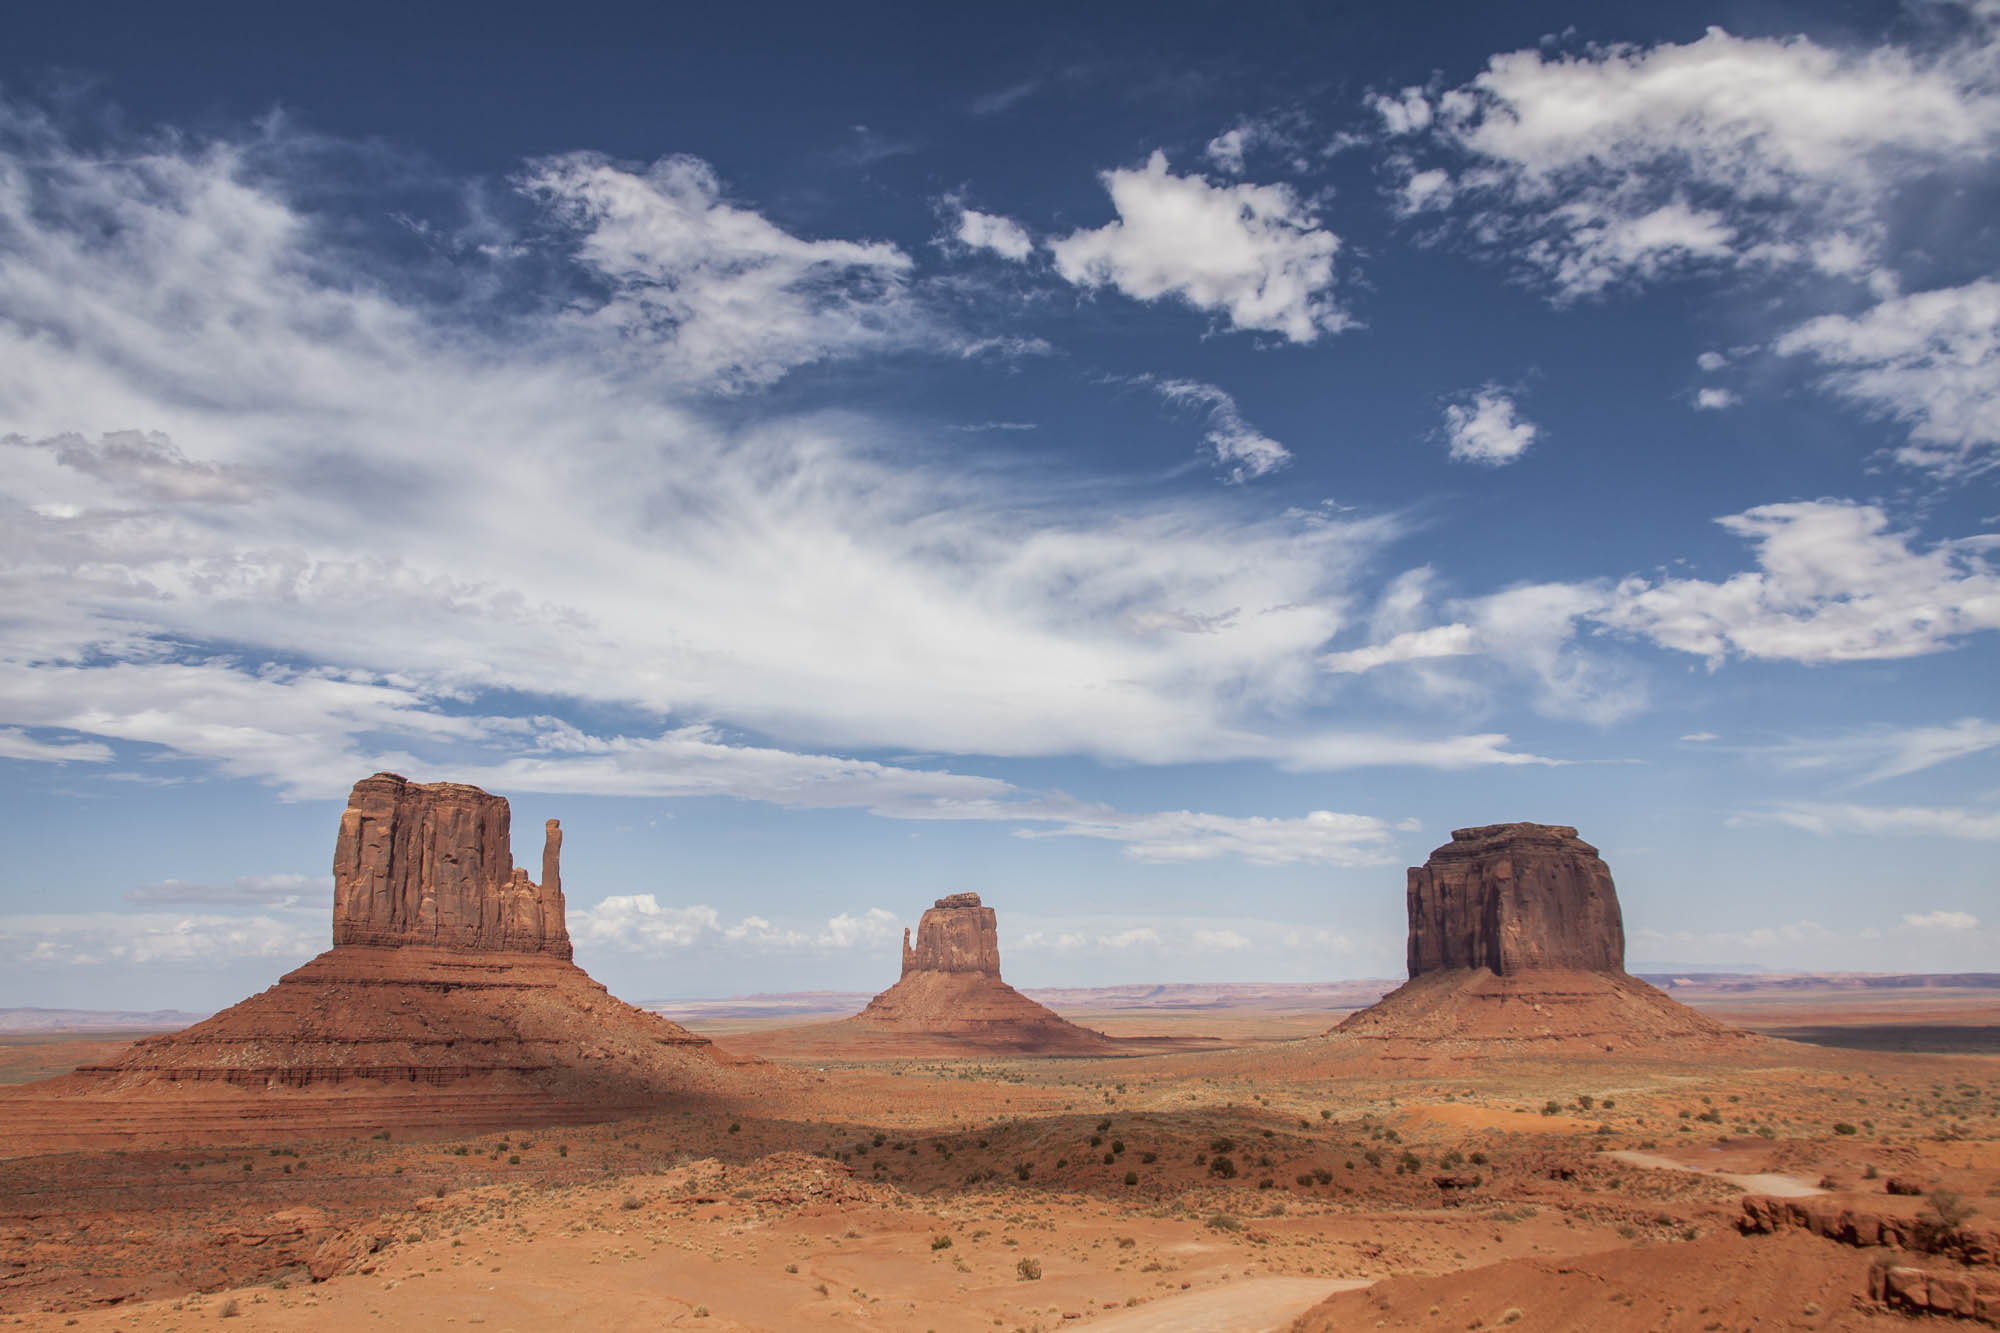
(1514, 898)
(432, 864)
(956, 935)
(951, 988)
(1516, 940)
(450, 970)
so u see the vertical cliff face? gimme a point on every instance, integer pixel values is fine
(1514, 898)
(956, 935)
(431, 865)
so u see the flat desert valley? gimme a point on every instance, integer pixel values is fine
(443, 1122)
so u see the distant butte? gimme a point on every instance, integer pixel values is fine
(450, 973)
(951, 989)
(1516, 939)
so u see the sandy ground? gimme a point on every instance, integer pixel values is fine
(1034, 1194)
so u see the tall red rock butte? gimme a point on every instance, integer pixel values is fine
(951, 991)
(1516, 939)
(448, 995)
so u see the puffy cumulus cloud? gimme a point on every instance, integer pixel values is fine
(1217, 941)
(1254, 254)
(1241, 451)
(1623, 164)
(1930, 360)
(989, 231)
(1320, 836)
(823, 579)
(284, 890)
(1715, 400)
(1487, 428)
(716, 292)
(1829, 819)
(639, 923)
(148, 938)
(1835, 584)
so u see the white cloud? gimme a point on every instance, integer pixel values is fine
(1219, 940)
(285, 890)
(1133, 938)
(1885, 752)
(1941, 920)
(1700, 737)
(639, 923)
(1715, 400)
(1829, 818)
(1225, 150)
(1419, 645)
(714, 292)
(1319, 837)
(18, 744)
(1487, 428)
(144, 938)
(1834, 584)
(1241, 450)
(1930, 360)
(1254, 253)
(1711, 361)
(1060, 942)
(1587, 166)
(988, 231)
(808, 577)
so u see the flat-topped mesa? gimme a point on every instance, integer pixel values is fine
(956, 935)
(1514, 898)
(431, 865)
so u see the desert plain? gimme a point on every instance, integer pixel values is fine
(443, 1123)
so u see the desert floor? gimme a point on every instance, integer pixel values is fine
(931, 1192)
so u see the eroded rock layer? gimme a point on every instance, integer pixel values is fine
(449, 988)
(951, 988)
(1514, 898)
(1516, 940)
(433, 865)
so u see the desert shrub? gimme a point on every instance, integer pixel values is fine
(1552, 1107)
(513, 1159)
(1224, 1222)
(1477, 1159)
(1118, 1145)
(735, 1127)
(229, 1309)
(1322, 1175)
(1842, 1127)
(1022, 1170)
(940, 1242)
(630, 1203)
(1222, 1167)
(1103, 1126)
(1096, 1140)
(1586, 1101)
(1110, 1157)
(1326, 1115)
(1409, 1161)
(1149, 1157)
(1945, 1213)
(1131, 1177)
(1221, 1144)
(1030, 1270)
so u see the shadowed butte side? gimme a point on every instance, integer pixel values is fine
(1516, 938)
(448, 997)
(951, 989)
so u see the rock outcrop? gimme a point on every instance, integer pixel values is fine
(1514, 898)
(450, 973)
(1516, 939)
(958, 934)
(951, 994)
(433, 865)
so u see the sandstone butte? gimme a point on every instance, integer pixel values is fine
(1516, 940)
(951, 990)
(448, 993)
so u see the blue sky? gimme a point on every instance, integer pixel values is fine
(1161, 468)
